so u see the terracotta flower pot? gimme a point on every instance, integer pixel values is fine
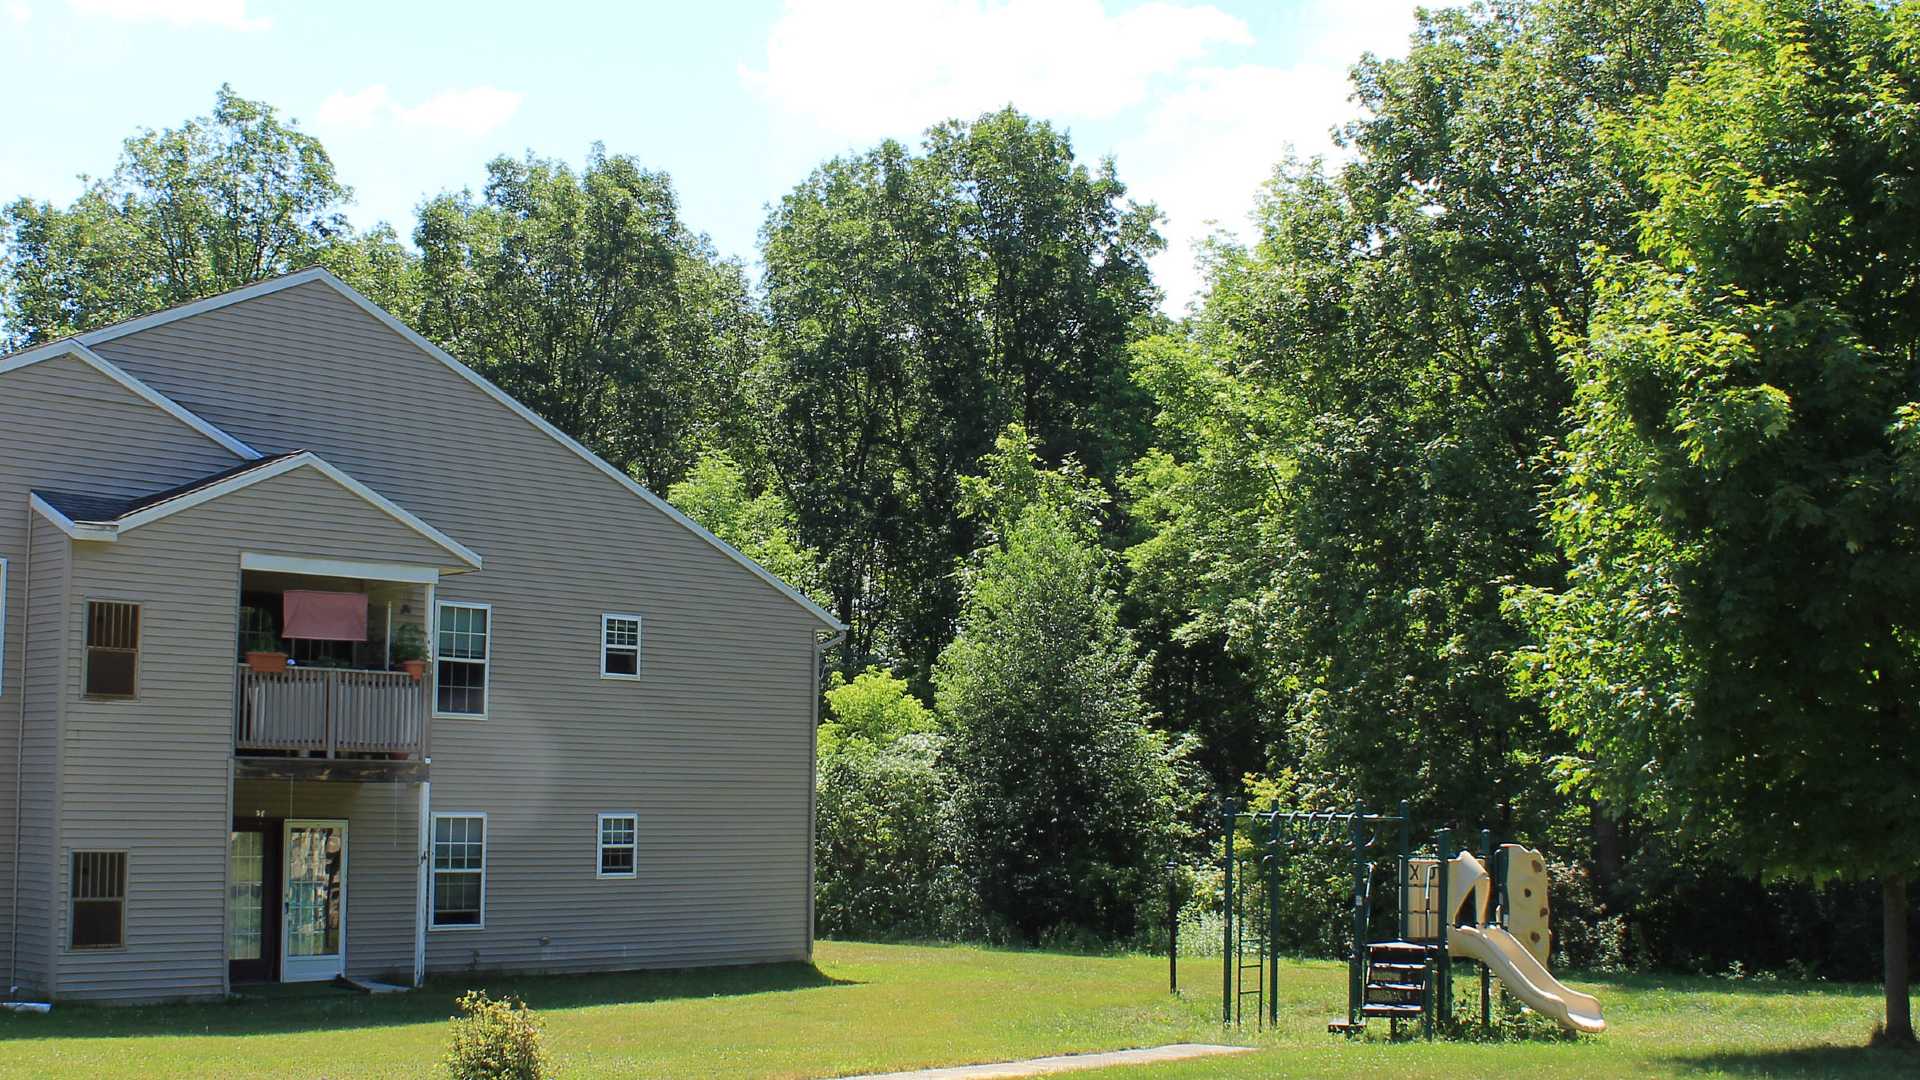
(266, 663)
(415, 668)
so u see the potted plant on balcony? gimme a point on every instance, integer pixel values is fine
(410, 650)
(260, 642)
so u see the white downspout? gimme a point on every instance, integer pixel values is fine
(19, 752)
(420, 881)
(430, 618)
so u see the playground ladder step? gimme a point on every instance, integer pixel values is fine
(1397, 968)
(1380, 1009)
(1398, 987)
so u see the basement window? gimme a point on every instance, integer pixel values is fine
(97, 886)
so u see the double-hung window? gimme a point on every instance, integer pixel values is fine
(97, 895)
(113, 649)
(459, 870)
(619, 843)
(619, 646)
(465, 648)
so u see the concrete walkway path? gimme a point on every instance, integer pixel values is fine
(1046, 1066)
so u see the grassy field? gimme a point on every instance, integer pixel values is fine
(874, 1007)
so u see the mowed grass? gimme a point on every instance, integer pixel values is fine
(867, 1007)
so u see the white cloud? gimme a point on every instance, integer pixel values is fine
(1207, 148)
(1199, 125)
(473, 111)
(356, 110)
(19, 13)
(867, 68)
(229, 14)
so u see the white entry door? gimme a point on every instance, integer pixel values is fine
(313, 923)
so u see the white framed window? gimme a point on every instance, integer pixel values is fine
(462, 659)
(619, 646)
(619, 845)
(459, 870)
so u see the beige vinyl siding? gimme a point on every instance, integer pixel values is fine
(53, 416)
(150, 775)
(382, 841)
(711, 746)
(43, 600)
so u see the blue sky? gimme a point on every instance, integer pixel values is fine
(737, 100)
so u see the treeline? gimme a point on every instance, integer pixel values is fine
(1549, 459)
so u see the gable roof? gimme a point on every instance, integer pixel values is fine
(85, 516)
(75, 347)
(88, 509)
(321, 276)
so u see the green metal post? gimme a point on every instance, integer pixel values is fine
(1443, 993)
(1356, 961)
(1228, 820)
(1273, 925)
(1406, 852)
(1486, 973)
(1173, 926)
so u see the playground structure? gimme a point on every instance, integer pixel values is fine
(1490, 909)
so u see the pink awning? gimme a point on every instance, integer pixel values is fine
(325, 616)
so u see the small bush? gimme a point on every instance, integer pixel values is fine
(496, 1040)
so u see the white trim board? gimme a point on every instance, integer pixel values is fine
(76, 349)
(101, 533)
(318, 274)
(343, 568)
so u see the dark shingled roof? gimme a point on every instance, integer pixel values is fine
(87, 509)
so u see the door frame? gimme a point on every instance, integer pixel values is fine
(272, 865)
(330, 965)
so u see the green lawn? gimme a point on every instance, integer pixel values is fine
(872, 1007)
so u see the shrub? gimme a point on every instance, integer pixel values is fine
(496, 1040)
(883, 845)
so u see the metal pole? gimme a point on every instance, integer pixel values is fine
(1227, 958)
(1443, 844)
(1406, 852)
(1173, 927)
(1273, 924)
(1356, 961)
(1486, 973)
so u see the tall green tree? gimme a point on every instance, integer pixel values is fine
(716, 493)
(584, 295)
(1067, 801)
(1350, 433)
(1737, 648)
(919, 303)
(221, 201)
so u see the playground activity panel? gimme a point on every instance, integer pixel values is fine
(1490, 909)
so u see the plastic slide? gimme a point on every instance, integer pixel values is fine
(1526, 977)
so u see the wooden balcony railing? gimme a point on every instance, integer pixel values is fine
(330, 712)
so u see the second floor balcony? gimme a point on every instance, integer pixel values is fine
(330, 712)
(330, 679)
